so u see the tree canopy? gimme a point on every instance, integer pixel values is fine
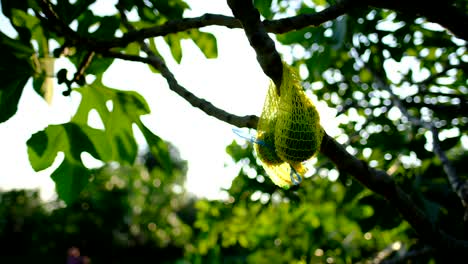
(390, 187)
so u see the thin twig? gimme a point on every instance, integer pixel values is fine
(249, 121)
(283, 25)
(278, 26)
(79, 74)
(152, 59)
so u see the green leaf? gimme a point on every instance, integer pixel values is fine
(43, 147)
(69, 12)
(9, 96)
(68, 138)
(133, 48)
(71, 139)
(103, 149)
(85, 21)
(154, 49)
(99, 65)
(127, 107)
(22, 19)
(127, 4)
(173, 40)
(339, 32)
(115, 143)
(43, 64)
(15, 69)
(107, 27)
(365, 76)
(297, 36)
(264, 7)
(170, 9)
(70, 179)
(320, 2)
(206, 42)
(14, 48)
(32, 25)
(9, 5)
(158, 148)
(318, 62)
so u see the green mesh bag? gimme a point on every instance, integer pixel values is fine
(265, 146)
(288, 132)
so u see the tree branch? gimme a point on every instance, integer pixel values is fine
(273, 26)
(174, 26)
(459, 186)
(314, 19)
(457, 21)
(56, 24)
(205, 106)
(380, 182)
(249, 121)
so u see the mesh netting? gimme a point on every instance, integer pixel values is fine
(288, 131)
(266, 130)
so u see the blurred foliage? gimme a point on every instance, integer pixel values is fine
(359, 64)
(123, 215)
(320, 221)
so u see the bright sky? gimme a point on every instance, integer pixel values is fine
(233, 81)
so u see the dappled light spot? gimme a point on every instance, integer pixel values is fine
(94, 120)
(90, 162)
(177, 188)
(151, 226)
(109, 105)
(333, 175)
(396, 245)
(256, 196)
(367, 235)
(156, 182)
(277, 242)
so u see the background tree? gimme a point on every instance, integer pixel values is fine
(125, 214)
(394, 71)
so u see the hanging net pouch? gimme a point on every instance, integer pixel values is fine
(288, 132)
